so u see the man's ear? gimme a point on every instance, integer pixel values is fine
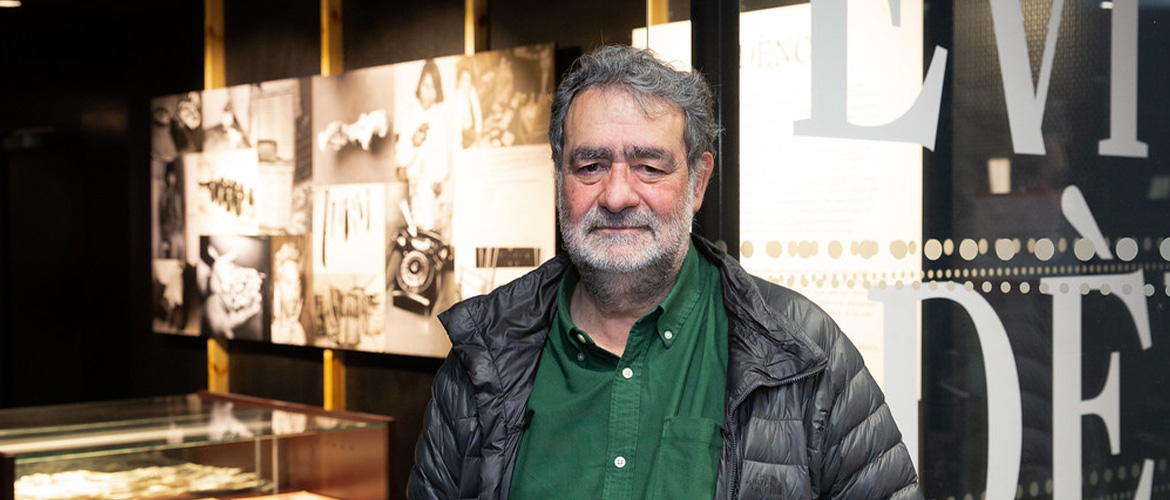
(704, 173)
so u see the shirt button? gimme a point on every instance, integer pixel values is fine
(581, 338)
(668, 334)
(580, 356)
(619, 462)
(627, 373)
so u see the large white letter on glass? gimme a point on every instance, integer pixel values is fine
(1067, 405)
(1004, 416)
(1025, 104)
(1123, 53)
(829, 99)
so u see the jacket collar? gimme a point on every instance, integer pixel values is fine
(767, 347)
(498, 337)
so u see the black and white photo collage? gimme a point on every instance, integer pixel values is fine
(347, 211)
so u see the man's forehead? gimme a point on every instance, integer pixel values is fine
(651, 105)
(602, 110)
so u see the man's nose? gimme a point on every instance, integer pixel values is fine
(619, 190)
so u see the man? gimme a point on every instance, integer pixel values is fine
(646, 363)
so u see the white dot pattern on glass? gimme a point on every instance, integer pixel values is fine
(1133, 253)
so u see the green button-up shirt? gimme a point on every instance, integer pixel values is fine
(645, 425)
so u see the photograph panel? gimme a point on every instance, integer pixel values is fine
(176, 125)
(168, 215)
(226, 119)
(425, 141)
(224, 192)
(505, 217)
(234, 278)
(364, 188)
(175, 298)
(280, 124)
(512, 90)
(348, 261)
(291, 274)
(352, 130)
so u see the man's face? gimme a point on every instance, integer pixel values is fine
(626, 200)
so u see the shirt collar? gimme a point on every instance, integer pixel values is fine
(671, 314)
(680, 302)
(564, 318)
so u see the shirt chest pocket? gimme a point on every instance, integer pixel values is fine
(687, 460)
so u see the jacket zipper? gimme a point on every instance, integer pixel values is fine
(733, 485)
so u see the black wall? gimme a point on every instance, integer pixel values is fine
(74, 116)
(74, 182)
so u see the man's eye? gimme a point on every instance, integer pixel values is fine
(650, 171)
(590, 170)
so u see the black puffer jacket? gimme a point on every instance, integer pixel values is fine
(804, 418)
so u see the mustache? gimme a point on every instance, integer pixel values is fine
(598, 217)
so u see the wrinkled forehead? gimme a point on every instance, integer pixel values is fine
(603, 106)
(613, 121)
(652, 105)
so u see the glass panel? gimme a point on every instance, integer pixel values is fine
(193, 446)
(171, 421)
(986, 183)
(1048, 201)
(994, 196)
(829, 205)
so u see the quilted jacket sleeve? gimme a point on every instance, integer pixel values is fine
(447, 458)
(864, 457)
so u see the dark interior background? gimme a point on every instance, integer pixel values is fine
(78, 76)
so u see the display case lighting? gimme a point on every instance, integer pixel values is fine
(9, 4)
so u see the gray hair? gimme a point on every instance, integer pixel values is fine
(642, 74)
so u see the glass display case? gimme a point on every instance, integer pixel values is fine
(194, 446)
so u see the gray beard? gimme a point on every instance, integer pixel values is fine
(617, 286)
(640, 288)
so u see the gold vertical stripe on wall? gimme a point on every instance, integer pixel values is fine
(213, 77)
(213, 58)
(331, 54)
(334, 380)
(475, 34)
(332, 63)
(657, 11)
(217, 365)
